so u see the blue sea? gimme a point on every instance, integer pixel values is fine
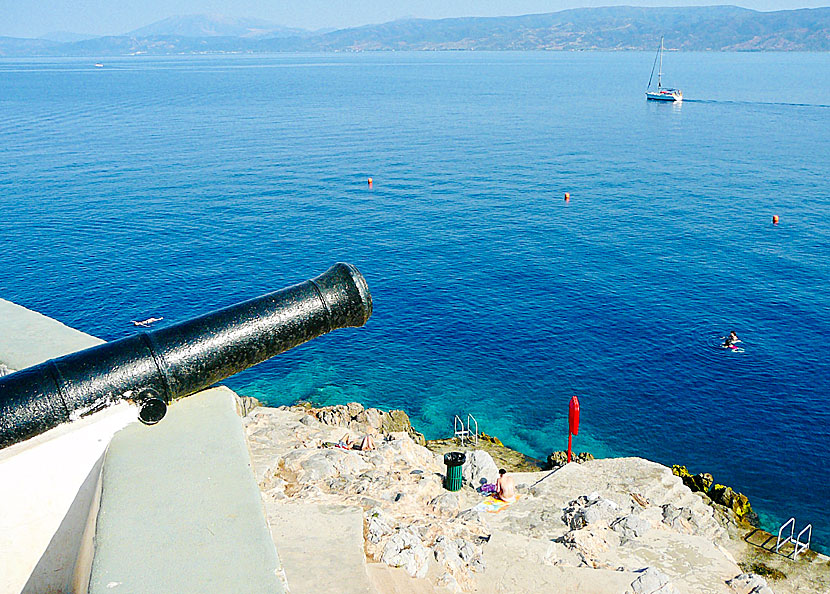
(174, 186)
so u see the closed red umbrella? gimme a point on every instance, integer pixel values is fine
(573, 421)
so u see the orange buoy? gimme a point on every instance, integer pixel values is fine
(774, 219)
(370, 181)
(567, 197)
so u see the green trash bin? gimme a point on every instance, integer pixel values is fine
(453, 460)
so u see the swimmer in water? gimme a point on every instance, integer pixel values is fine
(730, 341)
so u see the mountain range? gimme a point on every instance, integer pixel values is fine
(707, 28)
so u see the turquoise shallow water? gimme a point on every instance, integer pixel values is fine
(173, 186)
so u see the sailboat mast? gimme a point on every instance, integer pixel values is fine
(660, 72)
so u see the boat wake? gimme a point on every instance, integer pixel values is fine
(727, 102)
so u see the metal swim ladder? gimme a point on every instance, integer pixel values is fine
(462, 432)
(799, 545)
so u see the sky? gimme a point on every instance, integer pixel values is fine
(33, 18)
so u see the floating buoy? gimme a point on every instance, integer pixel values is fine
(567, 197)
(370, 182)
(774, 219)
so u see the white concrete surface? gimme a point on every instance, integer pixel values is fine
(28, 338)
(47, 486)
(46, 483)
(180, 510)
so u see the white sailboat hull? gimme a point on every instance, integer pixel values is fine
(664, 96)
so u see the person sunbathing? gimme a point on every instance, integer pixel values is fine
(365, 444)
(505, 489)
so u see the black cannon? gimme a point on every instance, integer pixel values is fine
(153, 368)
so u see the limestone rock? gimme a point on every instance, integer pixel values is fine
(473, 519)
(696, 483)
(590, 509)
(379, 525)
(244, 404)
(749, 583)
(730, 498)
(591, 541)
(652, 581)
(491, 439)
(446, 504)
(560, 458)
(317, 467)
(406, 550)
(479, 469)
(630, 527)
(449, 582)
(373, 418)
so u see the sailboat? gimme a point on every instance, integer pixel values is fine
(662, 93)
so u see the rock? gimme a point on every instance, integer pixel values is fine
(479, 469)
(446, 553)
(397, 420)
(474, 518)
(373, 418)
(491, 439)
(405, 549)
(733, 500)
(244, 404)
(652, 581)
(378, 525)
(353, 409)
(630, 527)
(317, 467)
(749, 583)
(560, 458)
(591, 541)
(696, 483)
(590, 509)
(449, 582)
(446, 504)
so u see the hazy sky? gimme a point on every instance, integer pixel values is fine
(31, 18)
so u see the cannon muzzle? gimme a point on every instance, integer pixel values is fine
(156, 367)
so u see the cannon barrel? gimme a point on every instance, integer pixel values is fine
(155, 367)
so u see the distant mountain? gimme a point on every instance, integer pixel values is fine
(66, 36)
(15, 46)
(719, 28)
(200, 25)
(705, 28)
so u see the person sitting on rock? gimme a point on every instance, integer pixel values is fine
(505, 490)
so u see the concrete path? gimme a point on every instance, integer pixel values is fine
(320, 546)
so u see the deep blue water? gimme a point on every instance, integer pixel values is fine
(174, 186)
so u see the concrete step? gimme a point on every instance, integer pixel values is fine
(179, 508)
(394, 580)
(320, 546)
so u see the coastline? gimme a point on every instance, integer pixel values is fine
(408, 517)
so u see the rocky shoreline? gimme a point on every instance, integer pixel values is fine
(615, 525)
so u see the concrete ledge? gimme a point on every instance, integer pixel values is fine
(28, 338)
(179, 508)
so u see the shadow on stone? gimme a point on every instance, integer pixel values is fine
(53, 573)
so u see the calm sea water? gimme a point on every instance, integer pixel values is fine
(174, 186)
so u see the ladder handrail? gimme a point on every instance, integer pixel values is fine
(459, 433)
(791, 523)
(799, 543)
(469, 426)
